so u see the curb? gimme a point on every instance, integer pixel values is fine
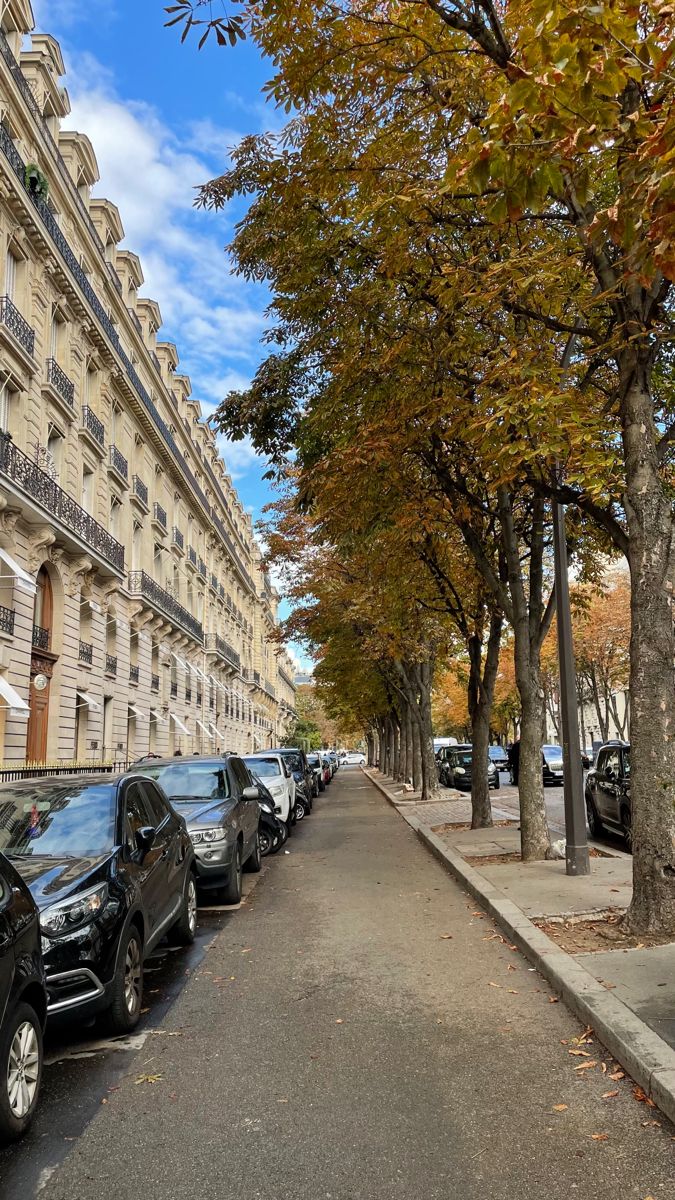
(645, 1056)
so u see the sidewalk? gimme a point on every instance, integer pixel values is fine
(566, 926)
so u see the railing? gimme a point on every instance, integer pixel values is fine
(286, 677)
(93, 425)
(159, 515)
(221, 591)
(15, 465)
(86, 654)
(60, 381)
(136, 319)
(142, 584)
(202, 568)
(192, 555)
(46, 771)
(156, 361)
(118, 462)
(140, 489)
(11, 318)
(111, 664)
(117, 282)
(154, 683)
(214, 582)
(134, 674)
(188, 695)
(173, 690)
(178, 538)
(270, 689)
(6, 619)
(217, 643)
(40, 638)
(199, 699)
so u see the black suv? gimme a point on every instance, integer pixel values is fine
(111, 868)
(608, 791)
(23, 1004)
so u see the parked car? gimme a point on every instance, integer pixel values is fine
(608, 803)
(552, 764)
(110, 866)
(278, 778)
(499, 757)
(316, 763)
(354, 758)
(23, 1004)
(444, 755)
(327, 768)
(335, 762)
(219, 801)
(457, 767)
(306, 785)
(272, 832)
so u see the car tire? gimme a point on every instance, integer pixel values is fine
(300, 809)
(289, 824)
(183, 932)
(497, 783)
(254, 861)
(231, 893)
(266, 842)
(627, 827)
(21, 1057)
(322, 785)
(127, 985)
(595, 826)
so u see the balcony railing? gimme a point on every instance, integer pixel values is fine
(86, 654)
(192, 555)
(6, 619)
(154, 683)
(286, 677)
(202, 568)
(93, 425)
(118, 462)
(27, 476)
(141, 584)
(111, 664)
(223, 648)
(270, 689)
(214, 582)
(221, 591)
(159, 515)
(178, 538)
(140, 490)
(134, 674)
(173, 689)
(188, 695)
(11, 318)
(40, 639)
(60, 382)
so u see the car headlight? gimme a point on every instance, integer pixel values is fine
(459, 771)
(73, 912)
(199, 836)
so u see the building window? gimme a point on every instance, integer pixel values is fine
(11, 267)
(55, 441)
(88, 489)
(8, 398)
(115, 515)
(57, 336)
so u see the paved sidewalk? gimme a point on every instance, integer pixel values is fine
(628, 994)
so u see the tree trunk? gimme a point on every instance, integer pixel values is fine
(482, 680)
(370, 742)
(417, 755)
(397, 749)
(424, 673)
(652, 649)
(409, 756)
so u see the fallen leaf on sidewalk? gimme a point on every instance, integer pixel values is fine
(148, 1078)
(560, 1108)
(497, 985)
(553, 999)
(247, 950)
(283, 1100)
(579, 1053)
(600, 1137)
(610, 1095)
(445, 937)
(642, 1097)
(339, 1021)
(512, 992)
(585, 1066)
(616, 1075)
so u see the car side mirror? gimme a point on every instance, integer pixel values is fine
(145, 838)
(250, 793)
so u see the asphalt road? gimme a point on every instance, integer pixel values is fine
(357, 1031)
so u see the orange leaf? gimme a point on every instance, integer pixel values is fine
(610, 1095)
(600, 1137)
(560, 1108)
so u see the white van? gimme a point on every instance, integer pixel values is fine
(277, 776)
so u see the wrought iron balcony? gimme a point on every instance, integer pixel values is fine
(111, 664)
(118, 462)
(93, 425)
(11, 318)
(218, 645)
(6, 619)
(173, 689)
(202, 568)
(60, 382)
(159, 515)
(156, 361)
(154, 683)
(192, 555)
(141, 584)
(40, 638)
(140, 490)
(34, 482)
(286, 677)
(178, 538)
(214, 582)
(221, 591)
(270, 689)
(134, 674)
(86, 654)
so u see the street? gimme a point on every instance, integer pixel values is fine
(355, 1030)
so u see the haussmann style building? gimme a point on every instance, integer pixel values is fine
(135, 615)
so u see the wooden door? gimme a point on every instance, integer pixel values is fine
(36, 744)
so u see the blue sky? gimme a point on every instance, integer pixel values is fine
(162, 117)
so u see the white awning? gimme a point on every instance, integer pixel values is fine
(177, 721)
(202, 675)
(12, 699)
(88, 701)
(180, 661)
(156, 716)
(203, 728)
(136, 712)
(217, 732)
(24, 581)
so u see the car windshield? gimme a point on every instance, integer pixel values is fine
(294, 761)
(313, 760)
(464, 758)
(495, 752)
(552, 752)
(191, 782)
(265, 767)
(626, 761)
(73, 820)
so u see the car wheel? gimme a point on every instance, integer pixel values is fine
(265, 841)
(300, 809)
(497, 783)
(254, 860)
(21, 1066)
(289, 824)
(595, 826)
(183, 932)
(127, 986)
(322, 785)
(627, 828)
(231, 894)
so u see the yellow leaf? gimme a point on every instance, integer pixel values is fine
(560, 1108)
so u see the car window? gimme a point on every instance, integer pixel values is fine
(613, 764)
(74, 819)
(137, 814)
(463, 759)
(552, 753)
(295, 762)
(189, 781)
(626, 762)
(155, 802)
(267, 768)
(240, 773)
(601, 760)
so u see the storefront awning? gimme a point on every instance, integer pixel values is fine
(177, 721)
(157, 716)
(24, 581)
(217, 732)
(204, 730)
(88, 701)
(136, 712)
(181, 663)
(12, 699)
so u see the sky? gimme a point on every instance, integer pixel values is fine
(162, 118)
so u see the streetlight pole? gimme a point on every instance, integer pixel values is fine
(577, 861)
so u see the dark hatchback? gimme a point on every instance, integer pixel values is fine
(110, 866)
(23, 1004)
(608, 792)
(457, 767)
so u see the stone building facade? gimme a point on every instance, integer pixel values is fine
(135, 615)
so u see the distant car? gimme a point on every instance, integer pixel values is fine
(23, 1004)
(327, 768)
(278, 778)
(316, 763)
(353, 758)
(307, 787)
(552, 764)
(219, 801)
(457, 769)
(110, 866)
(499, 757)
(332, 754)
(608, 804)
